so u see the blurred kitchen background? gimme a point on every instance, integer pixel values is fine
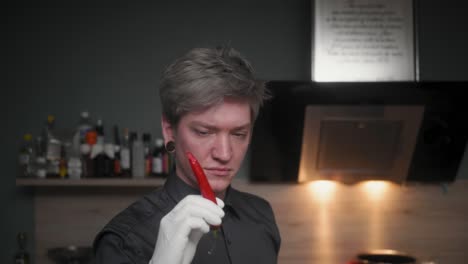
(63, 58)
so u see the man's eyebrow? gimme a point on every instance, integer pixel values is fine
(246, 126)
(209, 126)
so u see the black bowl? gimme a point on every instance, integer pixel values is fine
(71, 255)
(385, 256)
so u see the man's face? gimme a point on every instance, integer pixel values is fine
(218, 137)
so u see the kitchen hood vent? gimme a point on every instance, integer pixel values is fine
(360, 131)
(354, 143)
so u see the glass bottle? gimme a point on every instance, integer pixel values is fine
(74, 167)
(52, 147)
(84, 125)
(125, 155)
(53, 143)
(147, 153)
(109, 150)
(100, 131)
(86, 149)
(26, 157)
(22, 255)
(138, 157)
(40, 162)
(63, 167)
(97, 152)
(98, 157)
(117, 168)
(158, 158)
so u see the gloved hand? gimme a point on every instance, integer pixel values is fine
(181, 229)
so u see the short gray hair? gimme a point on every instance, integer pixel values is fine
(203, 77)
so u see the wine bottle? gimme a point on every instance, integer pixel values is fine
(125, 158)
(147, 153)
(158, 158)
(138, 157)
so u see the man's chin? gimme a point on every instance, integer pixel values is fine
(219, 186)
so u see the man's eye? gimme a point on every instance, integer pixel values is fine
(240, 134)
(202, 132)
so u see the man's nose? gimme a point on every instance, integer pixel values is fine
(222, 149)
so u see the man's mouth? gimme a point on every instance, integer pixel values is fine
(218, 171)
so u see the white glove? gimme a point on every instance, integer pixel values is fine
(181, 229)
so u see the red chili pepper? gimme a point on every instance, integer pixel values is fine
(203, 183)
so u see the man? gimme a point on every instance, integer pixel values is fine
(210, 100)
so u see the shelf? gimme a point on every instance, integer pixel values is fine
(92, 182)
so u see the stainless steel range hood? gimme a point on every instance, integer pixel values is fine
(361, 142)
(397, 131)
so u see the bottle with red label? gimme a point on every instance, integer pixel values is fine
(87, 162)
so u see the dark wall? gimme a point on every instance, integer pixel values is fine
(442, 41)
(107, 58)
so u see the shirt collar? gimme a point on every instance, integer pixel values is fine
(177, 189)
(230, 201)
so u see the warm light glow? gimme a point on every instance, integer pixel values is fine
(375, 192)
(375, 189)
(323, 190)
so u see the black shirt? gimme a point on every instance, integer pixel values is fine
(248, 233)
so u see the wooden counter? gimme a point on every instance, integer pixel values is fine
(325, 224)
(91, 182)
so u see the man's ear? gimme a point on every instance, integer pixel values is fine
(167, 129)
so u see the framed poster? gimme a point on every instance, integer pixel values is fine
(363, 41)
